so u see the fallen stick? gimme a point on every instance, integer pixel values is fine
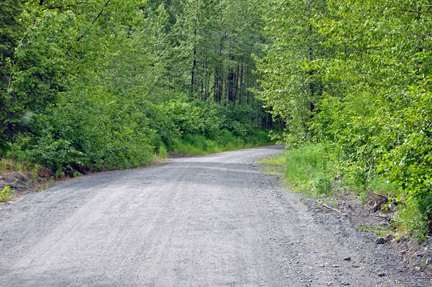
(331, 208)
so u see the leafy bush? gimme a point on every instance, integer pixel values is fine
(58, 154)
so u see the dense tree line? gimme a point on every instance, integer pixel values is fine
(355, 75)
(106, 83)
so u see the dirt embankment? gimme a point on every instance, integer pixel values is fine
(21, 182)
(413, 254)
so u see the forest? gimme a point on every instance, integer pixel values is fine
(109, 84)
(100, 85)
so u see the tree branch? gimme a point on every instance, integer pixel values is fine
(67, 6)
(415, 11)
(94, 21)
(9, 77)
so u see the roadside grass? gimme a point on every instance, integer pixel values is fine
(7, 166)
(315, 171)
(197, 144)
(11, 165)
(306, 169)
(36, 177)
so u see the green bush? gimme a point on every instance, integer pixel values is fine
(58, 154)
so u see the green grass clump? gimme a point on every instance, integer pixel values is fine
(309, 168)
(10, 165)
(409, 220)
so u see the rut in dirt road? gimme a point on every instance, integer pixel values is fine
(212, 220)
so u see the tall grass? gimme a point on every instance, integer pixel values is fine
(309, 167)
(316, 170)
(11, 165)
(196, 144)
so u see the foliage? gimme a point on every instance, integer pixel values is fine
(100, 84)
(309, 167)
(10, 33)
(6, 193)
(291, 83)
(371, 74)
(195, 144)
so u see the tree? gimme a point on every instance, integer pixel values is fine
(291, 80)
(356, 75)
(11, 31)
(94, 84)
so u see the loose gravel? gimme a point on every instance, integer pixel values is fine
(212, 220)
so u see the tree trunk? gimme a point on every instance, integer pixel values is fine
(9, 130)
(194, 63)
(240, 95)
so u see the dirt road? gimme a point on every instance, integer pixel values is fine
(202, 221)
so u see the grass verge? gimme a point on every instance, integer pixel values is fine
(307, 169)
(314, 170)
(197, 144)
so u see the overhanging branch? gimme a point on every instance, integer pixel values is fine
(94, 21)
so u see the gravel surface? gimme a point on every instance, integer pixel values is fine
(212, 220)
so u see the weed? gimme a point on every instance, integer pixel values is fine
(6, 194)
(11, 165)
(410, 220)
(34, 175)
(363, 228)
(310, 168)
(162, 151)
(322, 185)
(362, 197)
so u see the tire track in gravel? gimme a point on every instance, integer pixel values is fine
(212, 220)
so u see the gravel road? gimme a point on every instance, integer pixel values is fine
(212, 220)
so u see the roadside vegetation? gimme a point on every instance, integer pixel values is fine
(107, 85)
(115, 84)
(352, 80)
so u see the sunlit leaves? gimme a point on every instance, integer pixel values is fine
(291, 80)
(372, 62)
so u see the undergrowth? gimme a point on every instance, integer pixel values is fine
(189, 144)
(11, 165)
(306, 169)
(197, 144)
